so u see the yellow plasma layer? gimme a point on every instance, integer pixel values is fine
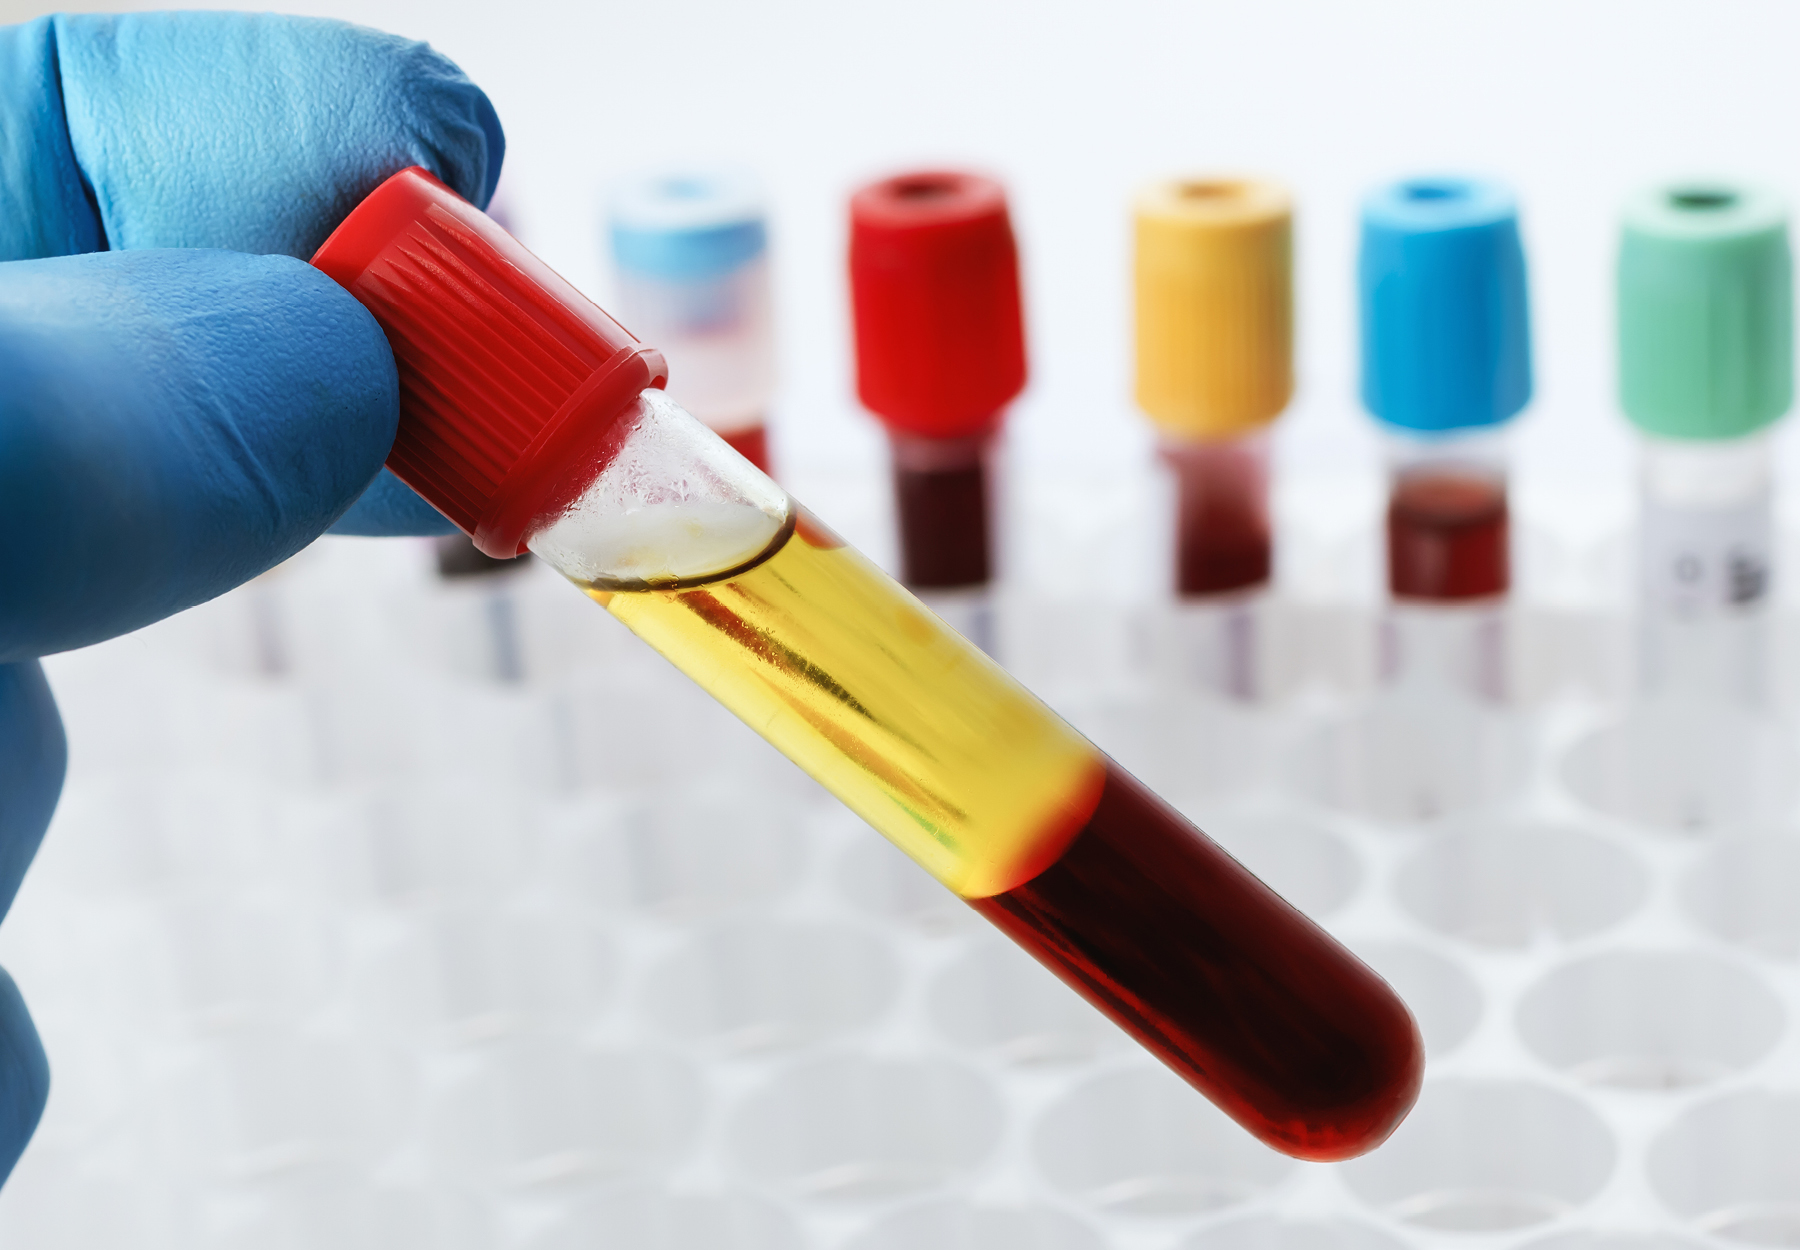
(891, 710)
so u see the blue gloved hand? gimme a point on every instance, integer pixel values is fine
(174, 421)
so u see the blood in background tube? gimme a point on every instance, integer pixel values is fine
(1219, 549)
(1447, 535)
(1222, 540)
(942, 505)
(1219, 977)
(943, 527)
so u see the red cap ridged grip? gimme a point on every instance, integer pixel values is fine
(934, 287)
(511, 381)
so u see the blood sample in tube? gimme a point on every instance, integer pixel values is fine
(602, 476)
(1446, 366)
(1166, 933)
(1447, 535)
(940, 352)
(1214, 285)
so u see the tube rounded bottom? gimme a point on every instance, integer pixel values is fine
(1220, 978)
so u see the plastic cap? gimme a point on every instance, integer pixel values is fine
(511, 381)
(688, 226)
(1215, 305)
(1446, 336)
(934, 290)
(1705, 310)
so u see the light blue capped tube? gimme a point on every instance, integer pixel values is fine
(1446, 341)
(691, 251)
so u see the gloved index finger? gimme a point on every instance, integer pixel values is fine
(249, 131)
(44, 206)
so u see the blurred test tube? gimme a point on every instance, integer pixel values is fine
(1705, 369)
(1214, 271)
(691, 250)
(940, 353)
(1446, 364)
(499, 655)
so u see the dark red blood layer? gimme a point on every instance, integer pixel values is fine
(1447, 537)
(1238, 992)
(1221, 516)
(943, 526)
(1220, 545)
(752, 444)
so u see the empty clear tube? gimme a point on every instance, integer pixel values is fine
(555, 436)
(1705, 540)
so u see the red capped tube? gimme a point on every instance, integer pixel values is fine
(940, 352)
(511, 381)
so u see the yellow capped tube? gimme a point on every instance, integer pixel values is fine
(1215, 306)
(1215, 365)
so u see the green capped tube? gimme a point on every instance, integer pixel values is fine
(1705, 316)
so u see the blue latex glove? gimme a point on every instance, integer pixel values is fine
(174, 421)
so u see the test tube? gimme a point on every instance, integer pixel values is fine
(534, 421)
(502, 657)
(691, 252)
(940, 352)
(1705, 369)
(1214, 368)
(1446, 363)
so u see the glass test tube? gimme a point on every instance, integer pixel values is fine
(1705, 367)
(1214, 284)
(608, 480)
(1446, 363)
(691, 251)
(1705, 543)
(940, 353)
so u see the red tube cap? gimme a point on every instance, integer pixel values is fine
(934, 288)
(512, 382)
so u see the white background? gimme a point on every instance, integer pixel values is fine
(1573, 103)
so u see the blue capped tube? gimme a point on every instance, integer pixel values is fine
(1446, 365)
(691, 251)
